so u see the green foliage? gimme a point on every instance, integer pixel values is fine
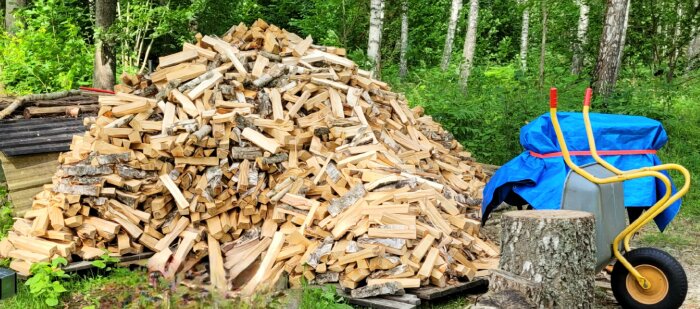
(46, 281)
(162, 26)
(6, 219)
(47, 53)
(321, 298)
(105, 261)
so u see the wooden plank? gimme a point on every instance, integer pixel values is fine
(476, 286)
(376, 302)
(261, 140)
(266, 264)
(176, 58)
(182, 203)
(216, 265)
(206, 161)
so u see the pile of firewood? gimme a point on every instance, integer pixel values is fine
(266, 154)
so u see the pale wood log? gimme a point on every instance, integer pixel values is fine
(555, 248)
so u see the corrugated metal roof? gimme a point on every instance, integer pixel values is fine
(38, 135)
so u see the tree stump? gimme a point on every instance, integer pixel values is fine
(556, 250)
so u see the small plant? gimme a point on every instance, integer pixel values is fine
(317, 298)
(6, 219)
(45, 281)
(105, 261)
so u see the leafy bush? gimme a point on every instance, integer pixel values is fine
(45, 281)
(6, 219)
(47, 52)
(322, 298)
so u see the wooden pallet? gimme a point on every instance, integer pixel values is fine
(82, 265)
(413, 297)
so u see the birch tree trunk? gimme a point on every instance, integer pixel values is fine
(10, 7)
(610, 50)
(694, 45)
(623, 38)
(403, 65)
(581, 37)
(673, 58)
(543, 43)
(103, 76)
(524, 33)
(552, 255)
(469, 44)
(376, 22)
(449, 39)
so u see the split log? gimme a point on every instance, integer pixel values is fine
(555, 248)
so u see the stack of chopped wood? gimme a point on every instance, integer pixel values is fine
(268, 155)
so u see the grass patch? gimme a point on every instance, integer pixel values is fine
(125, 288)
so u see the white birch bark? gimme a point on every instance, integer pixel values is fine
(449, 39)
(581, 37)
(543, 44)
(376, 22)
(469, 44)
(10, 7)
(403, 65)
(623, 38)
(694, 45)
(524, 33)
(611, 44)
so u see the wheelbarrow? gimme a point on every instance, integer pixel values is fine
(642, 277)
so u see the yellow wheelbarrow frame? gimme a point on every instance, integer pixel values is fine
(652, 171)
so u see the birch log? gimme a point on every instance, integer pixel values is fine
(554, 248)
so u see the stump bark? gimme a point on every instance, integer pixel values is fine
(554, 249)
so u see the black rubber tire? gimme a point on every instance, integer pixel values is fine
(677, 280)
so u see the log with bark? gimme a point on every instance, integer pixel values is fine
(549, 257)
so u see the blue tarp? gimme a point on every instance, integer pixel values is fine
(527, 179)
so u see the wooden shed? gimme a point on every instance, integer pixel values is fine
(29, 147)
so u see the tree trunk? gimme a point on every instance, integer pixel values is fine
(554, 248)
(673, 58)
(403, 66)
(469, 44)
(10, 7)
(611, 45)
(376, 22)
(105, 61)
(543, 44)
(449, 39)
(623, 37)
(524, 33)
(581, 38)
(694, 45)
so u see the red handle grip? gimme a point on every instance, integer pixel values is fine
(553, 97)
(587, 97)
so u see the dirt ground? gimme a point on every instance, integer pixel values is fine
(681, 239)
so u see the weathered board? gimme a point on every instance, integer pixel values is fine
(26, 175)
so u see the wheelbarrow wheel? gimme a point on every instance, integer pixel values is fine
(669, 283)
